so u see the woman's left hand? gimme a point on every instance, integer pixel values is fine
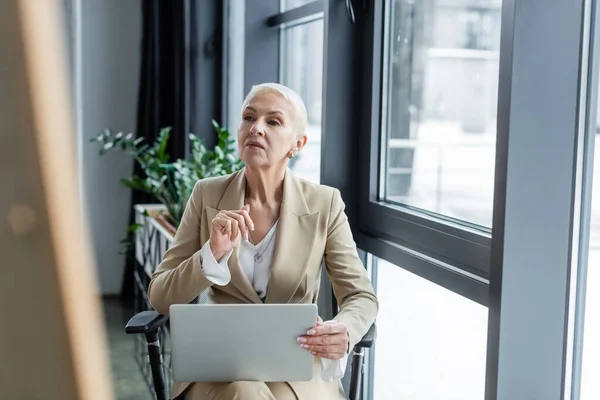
(326, 340)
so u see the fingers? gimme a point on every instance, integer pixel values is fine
(328, 328)
(231, 222)
(324, 340)
(227, 226)
(333, 348)
(235, 230)
(327, 340)
(324, 349)
(240, 222)
(244, 222)
(245, 212)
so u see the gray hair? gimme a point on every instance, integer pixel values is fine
(300, 115)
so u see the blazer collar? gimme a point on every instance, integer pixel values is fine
(233, 196)
(293, 197)
(294, 243)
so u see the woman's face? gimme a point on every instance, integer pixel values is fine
(267, 132)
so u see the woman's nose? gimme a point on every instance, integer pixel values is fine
(258, 128)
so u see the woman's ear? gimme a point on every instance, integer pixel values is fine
(301, 142)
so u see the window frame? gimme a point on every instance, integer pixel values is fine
(462, 244)
(587, 181)
(261, 44)
(538, 275)
(296, 16)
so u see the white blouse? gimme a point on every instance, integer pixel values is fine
(256, 261)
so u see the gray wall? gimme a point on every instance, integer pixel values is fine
(106, 79)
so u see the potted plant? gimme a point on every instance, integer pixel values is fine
(170, 182)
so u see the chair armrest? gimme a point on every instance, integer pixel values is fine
(369, 339)
(145, 321)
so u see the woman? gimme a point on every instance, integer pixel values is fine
(260, 235)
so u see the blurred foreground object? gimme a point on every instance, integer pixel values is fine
(52, 342)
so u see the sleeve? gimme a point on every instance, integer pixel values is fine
(351, 284)
(215, 271)
(179, 277)
(333, 369)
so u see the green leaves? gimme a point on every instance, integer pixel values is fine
(120, 141)
(134, 228)
(137, 183)
(161, 145)
(171, 183)
(219, 152)
(128, 241)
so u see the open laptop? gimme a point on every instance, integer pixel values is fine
(233, 342)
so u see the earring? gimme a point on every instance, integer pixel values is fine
(291, 155)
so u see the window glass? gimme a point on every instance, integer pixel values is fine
(590, 385)
(439, 106)
(287, 5)
(431, 342)
(302, 70)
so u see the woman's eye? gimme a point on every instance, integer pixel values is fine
(274, 123)
(248, 118)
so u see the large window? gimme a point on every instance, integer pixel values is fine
(434, 89)
(590, 386)
(302, 70)
(431, 342)
(439, 114)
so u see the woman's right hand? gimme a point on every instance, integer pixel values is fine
(227, 229)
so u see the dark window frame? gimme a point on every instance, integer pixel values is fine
(451, 255)
(461, 244)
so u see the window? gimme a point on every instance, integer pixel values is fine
(302, 70)
(434, 88)
(590, 387)
(233, 70)
(291, 4)
(439, 114)
(287, 47)
(431, 342)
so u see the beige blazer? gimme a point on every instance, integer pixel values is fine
(312, 228)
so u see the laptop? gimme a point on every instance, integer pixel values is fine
(240, 342)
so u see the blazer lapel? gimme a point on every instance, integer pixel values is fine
(295, 241)
(233, 199)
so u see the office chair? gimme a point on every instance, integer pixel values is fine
(149, 323)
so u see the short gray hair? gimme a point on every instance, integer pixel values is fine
(300, 115)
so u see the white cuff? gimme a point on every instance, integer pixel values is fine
(333, 369)
(215, 271)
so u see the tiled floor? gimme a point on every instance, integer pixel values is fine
(128, 382)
